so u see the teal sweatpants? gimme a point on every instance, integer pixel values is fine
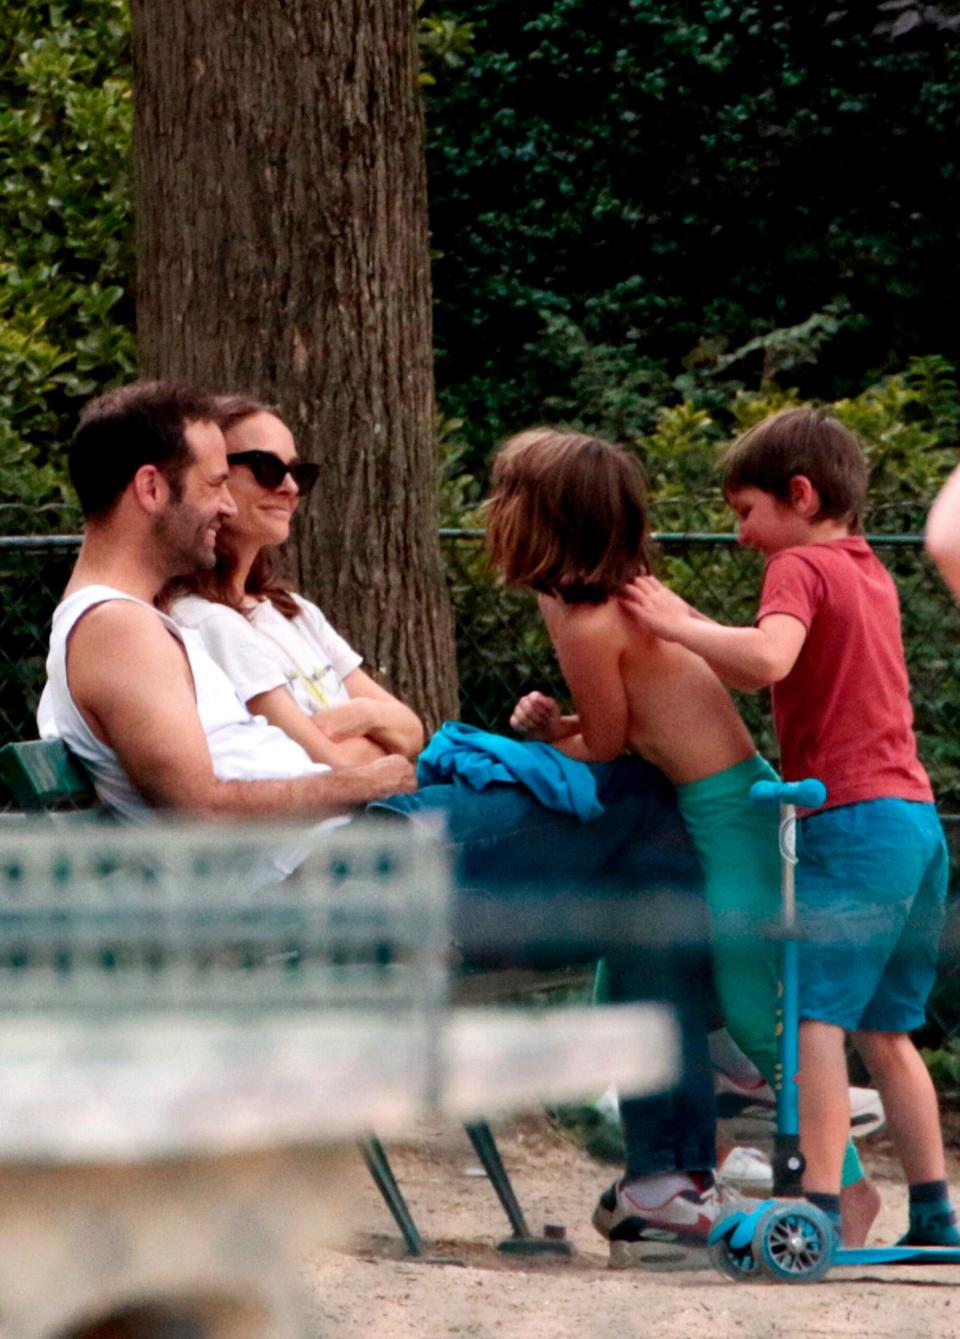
(739, 849)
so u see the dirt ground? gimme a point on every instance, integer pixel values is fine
(365, 1292)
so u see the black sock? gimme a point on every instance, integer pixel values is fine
(828, 1204)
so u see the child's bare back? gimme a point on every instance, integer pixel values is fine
(638, 692)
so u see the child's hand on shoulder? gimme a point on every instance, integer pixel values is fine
(655, 607)
(537, 716)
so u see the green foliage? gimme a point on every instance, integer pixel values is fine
(66, 224)
(902, 17)
(944, 1065)
(459, 493)
(907, 423)
(790, 347)
(444, 42)
(604, 386)
(591, 1130)
(65, 229)
(648, 203)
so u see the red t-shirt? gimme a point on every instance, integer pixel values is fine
(843, 713)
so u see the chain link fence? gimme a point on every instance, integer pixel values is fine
(503, 650)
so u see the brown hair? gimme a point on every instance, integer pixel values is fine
(802, 441)
(568, 515)
(143, 423)
(263, 578)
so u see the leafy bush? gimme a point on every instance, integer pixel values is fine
(908, 424)
(66, 258)
(649, 203)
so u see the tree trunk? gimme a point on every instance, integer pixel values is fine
(283, 251)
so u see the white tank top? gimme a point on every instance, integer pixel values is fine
(242, 747)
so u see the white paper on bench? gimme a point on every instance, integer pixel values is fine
(156, 1087)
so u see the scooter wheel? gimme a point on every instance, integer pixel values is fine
(738, 1263)
(794, 1243)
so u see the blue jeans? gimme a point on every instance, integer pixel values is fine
(625, 886)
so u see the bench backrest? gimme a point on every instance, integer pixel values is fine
(43, 774)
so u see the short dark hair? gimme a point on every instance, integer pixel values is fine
(568, 515)
(120, 431)
(801, 441)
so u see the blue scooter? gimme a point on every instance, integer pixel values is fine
(788, 1239)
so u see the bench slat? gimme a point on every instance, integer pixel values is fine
(42, 773)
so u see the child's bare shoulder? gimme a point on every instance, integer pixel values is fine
(584, 622)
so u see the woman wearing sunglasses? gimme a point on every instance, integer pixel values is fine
(285, 660)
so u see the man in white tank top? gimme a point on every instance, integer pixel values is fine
(152, 716)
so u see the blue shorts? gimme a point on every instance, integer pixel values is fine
(871, 891)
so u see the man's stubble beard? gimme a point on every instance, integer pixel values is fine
(184, 546)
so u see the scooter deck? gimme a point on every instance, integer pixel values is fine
(896, 1255)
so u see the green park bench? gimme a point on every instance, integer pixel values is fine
(43, 775)
(44, 778)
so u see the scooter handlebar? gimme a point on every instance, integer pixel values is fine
(809, 794)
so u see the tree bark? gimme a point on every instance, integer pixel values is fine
(283, 251)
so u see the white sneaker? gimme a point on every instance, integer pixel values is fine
(866, 1112)
(747, 1170)
(749, 1115)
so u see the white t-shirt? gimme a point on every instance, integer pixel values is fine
(264, 649)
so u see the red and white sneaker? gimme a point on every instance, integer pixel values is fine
(671, 1235)
(748, 1114)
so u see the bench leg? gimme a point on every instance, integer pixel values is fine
(378, 1165)
(522, 1242)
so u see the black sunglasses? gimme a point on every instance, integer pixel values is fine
(270, 471)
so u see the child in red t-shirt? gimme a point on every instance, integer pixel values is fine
(872, 872)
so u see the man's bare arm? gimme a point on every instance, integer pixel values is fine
(130, 677)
